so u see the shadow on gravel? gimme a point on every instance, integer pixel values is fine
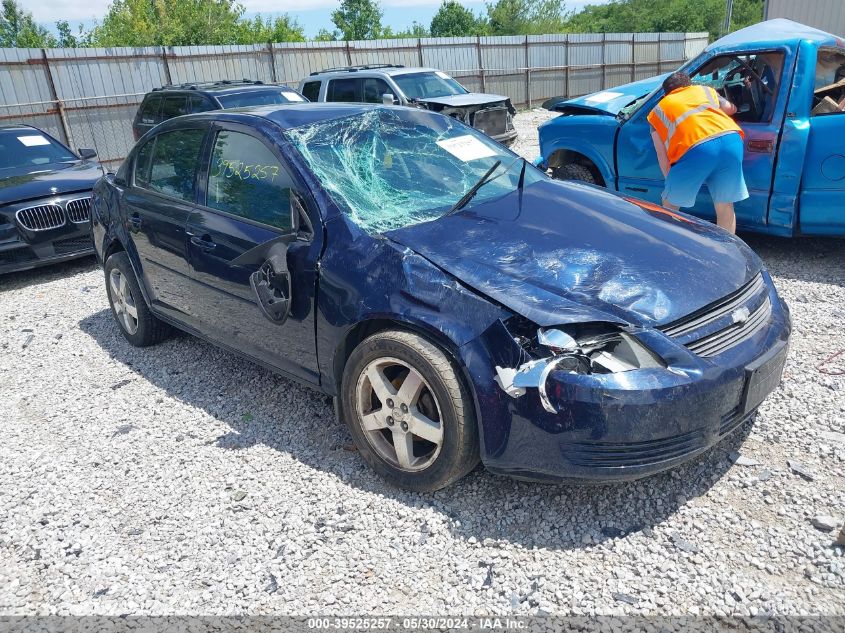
(44, 274)
(300, 422)
(810, 259)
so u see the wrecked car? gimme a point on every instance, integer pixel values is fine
(786, 80)
(455, 302)
(428, 88)
(45, 198)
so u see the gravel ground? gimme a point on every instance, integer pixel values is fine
(182, 480)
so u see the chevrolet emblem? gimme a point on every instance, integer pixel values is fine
(741, 315)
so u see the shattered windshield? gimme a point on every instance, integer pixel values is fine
(429, 85)
(389, 168)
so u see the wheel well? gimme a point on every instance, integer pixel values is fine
(362, 330)
(114, 247)
(565, 156)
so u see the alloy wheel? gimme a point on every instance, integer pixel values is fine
(123, 302)
(399, 414)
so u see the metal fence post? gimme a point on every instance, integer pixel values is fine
(54, 96)
(167, 76)
(527, 76)
(348, 53)
(419, 51)
(633, 56)
(566, 69)
(603, 60)
(480, 63)
(272, 62)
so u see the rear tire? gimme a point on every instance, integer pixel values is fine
(409, 412)
(574, 171)
(136, 322)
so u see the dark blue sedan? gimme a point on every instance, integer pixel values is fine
(456, 303)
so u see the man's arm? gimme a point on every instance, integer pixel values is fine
(662, 156)
(726, 106)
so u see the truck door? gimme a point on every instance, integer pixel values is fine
(757, 83)
(821, 209)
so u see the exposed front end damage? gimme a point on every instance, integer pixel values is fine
(494, 118)
(600, 403)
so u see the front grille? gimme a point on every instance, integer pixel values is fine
(72, 245)
(493, 121)
(733, 335)
(696, 330)
(78, 210)
(627, 454)
(41, 218)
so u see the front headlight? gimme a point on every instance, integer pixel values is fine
(593, 348)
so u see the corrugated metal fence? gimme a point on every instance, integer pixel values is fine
(87, 97)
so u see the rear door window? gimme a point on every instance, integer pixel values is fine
(174, 106)
(343, 90)
(173, 164)
(311, 90)
(374, 89)
(149, 111)
(246, 179)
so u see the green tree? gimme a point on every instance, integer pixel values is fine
(18, 29)
(324, 35)
(66, 37)
(415, 30)
(454, 20)
(526, 17)
(358, 19)
(281, 29)
(639, 16)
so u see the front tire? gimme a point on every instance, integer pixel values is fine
(574, 171)
(136, 322)
(409, 412)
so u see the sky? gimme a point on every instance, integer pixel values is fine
(311, 14)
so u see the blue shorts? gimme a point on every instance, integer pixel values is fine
(716, 162)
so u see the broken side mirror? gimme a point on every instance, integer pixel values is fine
(86, 153)
(388, 99)
(272, 285)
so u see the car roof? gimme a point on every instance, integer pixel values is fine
(773, 33)
(391, 71)
(286, 116)
(225, 86)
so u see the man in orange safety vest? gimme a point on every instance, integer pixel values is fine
(697, 142)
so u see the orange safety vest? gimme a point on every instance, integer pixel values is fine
(687, 116)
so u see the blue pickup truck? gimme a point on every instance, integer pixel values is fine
(788, 83)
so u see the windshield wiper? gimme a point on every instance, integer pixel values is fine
(469, 195)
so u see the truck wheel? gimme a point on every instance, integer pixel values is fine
(137, 323)
(409, 412)
(574, 171)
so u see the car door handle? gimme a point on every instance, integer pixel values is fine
(203, 243)
(135, 221)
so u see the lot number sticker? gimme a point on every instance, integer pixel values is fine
(32, 141)
(466, 148)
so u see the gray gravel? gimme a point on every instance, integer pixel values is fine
(181, 479)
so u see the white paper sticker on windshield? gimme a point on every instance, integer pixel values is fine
(603, 97)
(441, 74)
(466, 148)
(292, 96)
(32, 141)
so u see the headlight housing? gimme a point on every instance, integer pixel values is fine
(590, 348)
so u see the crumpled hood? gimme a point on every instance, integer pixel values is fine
(48, 180)
(572, 253)
(469, 99)
(609, 101)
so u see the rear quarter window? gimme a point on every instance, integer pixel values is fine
(311, 90)
(148, 112)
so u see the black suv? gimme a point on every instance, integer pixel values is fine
(170, 101)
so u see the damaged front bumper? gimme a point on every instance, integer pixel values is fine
(553, 424)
